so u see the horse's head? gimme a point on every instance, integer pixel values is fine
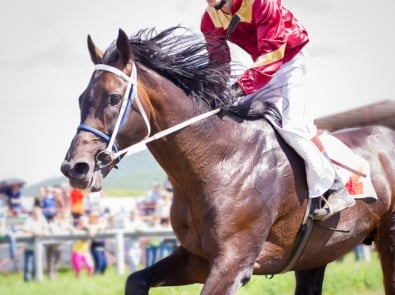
(106, 106)
(175, 83)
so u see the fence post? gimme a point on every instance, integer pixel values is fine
(38, 258)
(120, 252)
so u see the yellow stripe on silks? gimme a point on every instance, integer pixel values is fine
(245, 11)
(222, 20)
(270, 57)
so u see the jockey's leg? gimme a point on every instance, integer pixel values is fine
(337, 196)
(297, 119)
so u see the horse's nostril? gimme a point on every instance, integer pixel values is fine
(79, 170)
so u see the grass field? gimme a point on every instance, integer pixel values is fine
(347, 277)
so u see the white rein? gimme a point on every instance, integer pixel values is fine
(132, 81)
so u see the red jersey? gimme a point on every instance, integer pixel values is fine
(267, 31)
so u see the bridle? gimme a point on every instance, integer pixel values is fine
(107, 156)
(112, 153)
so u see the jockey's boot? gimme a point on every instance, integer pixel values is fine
(337, 199)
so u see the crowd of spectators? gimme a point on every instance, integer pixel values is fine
(61, 210)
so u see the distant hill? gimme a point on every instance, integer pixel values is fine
(136, 173)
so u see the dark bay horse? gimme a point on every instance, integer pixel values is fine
(240, 193)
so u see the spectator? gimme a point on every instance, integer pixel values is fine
(77, 204)
(108, 217)
(14, 196)
(166, 246)
(150, 200)
(80, 255)
(60, 203)
(15, 208)
(3, 214)
(92, 202)
(163, 207)
(7, 231)
(152, 245)
(64, 193)
(362, 253)
(48, 202)
(134, 246)
(58, 225)
(12, 246)
(97, 248)
(36, 225)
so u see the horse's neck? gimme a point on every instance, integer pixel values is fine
(182, 150)
(208, 143)
(195, 150)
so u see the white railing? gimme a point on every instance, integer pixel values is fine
(117, 234)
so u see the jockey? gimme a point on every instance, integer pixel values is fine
(274, 39)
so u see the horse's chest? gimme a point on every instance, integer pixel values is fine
(187, 225)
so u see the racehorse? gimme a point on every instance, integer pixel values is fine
(240, 192)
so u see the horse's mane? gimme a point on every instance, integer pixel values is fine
(180, 55)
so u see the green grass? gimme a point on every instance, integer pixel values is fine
(347, 277)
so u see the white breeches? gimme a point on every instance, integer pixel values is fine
(286, 91)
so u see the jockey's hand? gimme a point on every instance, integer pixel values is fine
(237, 91)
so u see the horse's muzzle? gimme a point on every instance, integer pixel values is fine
(77, 173)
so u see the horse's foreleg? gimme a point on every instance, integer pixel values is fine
(180, 268)
(228, 273)
(309, 282)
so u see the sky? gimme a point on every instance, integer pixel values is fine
(45, 65)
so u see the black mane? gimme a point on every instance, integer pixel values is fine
(180, 55)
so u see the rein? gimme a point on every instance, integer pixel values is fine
(112, 153)
(138, 146)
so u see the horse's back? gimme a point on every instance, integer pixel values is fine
(362, 136)
(376, 144)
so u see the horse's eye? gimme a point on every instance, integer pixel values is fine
(115, 99)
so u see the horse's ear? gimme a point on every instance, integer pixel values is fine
(123, 47)
(95, 53)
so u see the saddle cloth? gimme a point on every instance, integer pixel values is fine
(358, 186)
(320, 172)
